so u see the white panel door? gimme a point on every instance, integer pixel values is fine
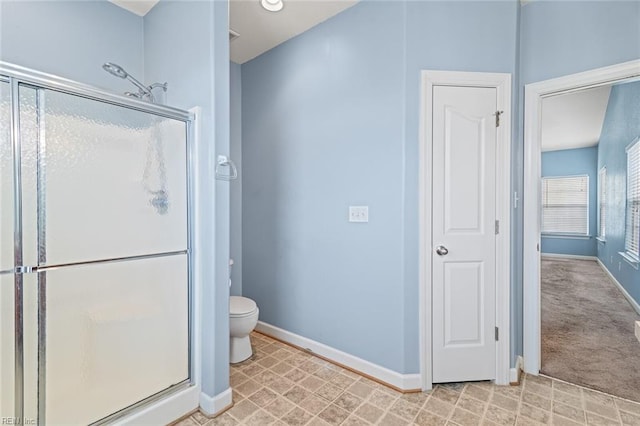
(463, 225)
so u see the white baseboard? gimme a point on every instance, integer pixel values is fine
(404, 382)
(567, 256)
(514, 373)
(626, 294)
(164, 411)
(212, 406)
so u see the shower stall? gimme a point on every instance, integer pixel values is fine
(95, 252)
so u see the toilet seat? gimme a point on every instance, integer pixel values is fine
(241, 307)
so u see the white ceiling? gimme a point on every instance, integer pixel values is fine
(139, 7)
(574, 120)
(261, 30)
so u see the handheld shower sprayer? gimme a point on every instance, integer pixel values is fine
(144, 92)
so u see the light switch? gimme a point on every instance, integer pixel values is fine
(358, 213)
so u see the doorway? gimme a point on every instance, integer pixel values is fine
(464, 227)
(535, 187)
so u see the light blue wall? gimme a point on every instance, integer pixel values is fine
(330, 119)
(572, 162)
(236, 185)
(621, 127)
(323, 129)
(61, 38)
(564, 37)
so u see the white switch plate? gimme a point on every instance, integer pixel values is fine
(358, 213)
(638, 330)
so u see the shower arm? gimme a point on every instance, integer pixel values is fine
(144, 89)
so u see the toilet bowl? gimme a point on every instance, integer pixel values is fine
(243, 317)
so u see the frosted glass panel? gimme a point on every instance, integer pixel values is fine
(6, 182)
(6, 345)
(114, 179)
(116, 334)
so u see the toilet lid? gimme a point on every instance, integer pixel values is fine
(241, 305)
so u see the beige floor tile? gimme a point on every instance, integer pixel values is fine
(608, 411)
(200, 417)
(392, 420)
(348, 401)
(570, 412)
(558, 420)
(329, 392)
(465, 418)
(477, 392)
(504, 402)
(223, 420)
(471, 404)
(296, 417)
(596, 420)
(404, 409)
(427, 418)
(629, 419)
(381, 399)
(279, 407)
(499, 416)
(314, 404)
(333, 415)
(282, 386)
(446, 395)
(260, 418)
(243, 410)
(297, 394)
(369, 412)
(263, 397)
(439, 407)
(535, 413)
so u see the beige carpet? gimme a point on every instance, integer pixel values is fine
(588, 329)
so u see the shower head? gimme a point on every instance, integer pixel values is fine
(144, 92)
(115, 69)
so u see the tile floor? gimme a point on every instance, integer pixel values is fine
(281, 385)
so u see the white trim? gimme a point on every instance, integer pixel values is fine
(567, 256)
(637, 328)
(397, 380)
(212, 406)
(624, 292)
(502, 83)
(514, 373)
(164, 411)
(532, 174)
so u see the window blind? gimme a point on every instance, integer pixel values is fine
(632, 229)
(565, 205)
(602, 199)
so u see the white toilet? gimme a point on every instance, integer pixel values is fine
(243, 317)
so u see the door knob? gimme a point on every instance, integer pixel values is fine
(442, 250)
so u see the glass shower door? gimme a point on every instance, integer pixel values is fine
(104, 202)
(7, 329)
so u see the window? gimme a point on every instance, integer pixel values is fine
(602, 199)
(632, 228)
(565, 205)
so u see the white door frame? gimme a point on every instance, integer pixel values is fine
(533, 95)
(502, 83)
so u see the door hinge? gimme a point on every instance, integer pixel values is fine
(497, 114)
(497, 227)
(538, 247)
(497, 334)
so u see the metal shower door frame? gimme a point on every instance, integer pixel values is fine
(18, 76)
